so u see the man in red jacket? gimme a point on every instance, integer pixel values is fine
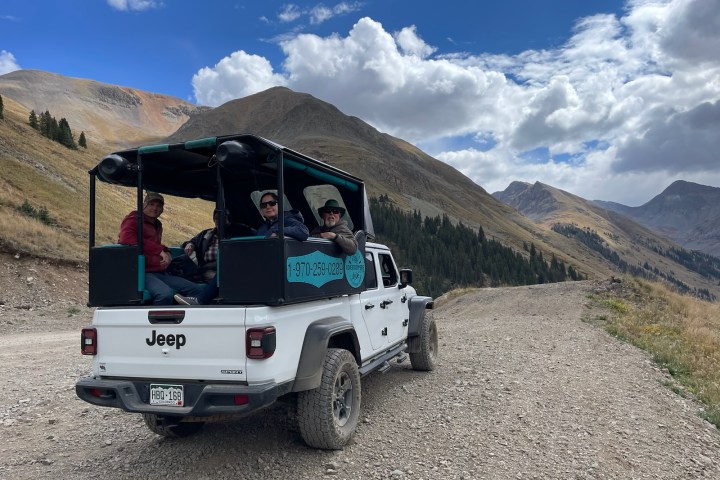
(161, 285)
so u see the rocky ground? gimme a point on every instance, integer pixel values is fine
(41, 295)
(524, 389)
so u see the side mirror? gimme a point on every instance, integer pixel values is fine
(405, 277)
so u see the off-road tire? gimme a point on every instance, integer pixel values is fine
(171, 427)
(328, 415)
(424, 346)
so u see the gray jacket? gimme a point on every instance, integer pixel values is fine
(345, 238)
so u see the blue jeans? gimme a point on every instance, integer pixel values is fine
(209, 292)
(163, 286)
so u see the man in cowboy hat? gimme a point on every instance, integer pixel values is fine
(159, 283)
(334, 228)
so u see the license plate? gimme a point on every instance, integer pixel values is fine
(167, 395)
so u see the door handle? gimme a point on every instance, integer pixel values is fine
(368, 306)
(385, 303)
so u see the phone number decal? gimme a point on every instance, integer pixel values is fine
(316, 268)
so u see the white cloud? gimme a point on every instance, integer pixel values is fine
(409, 42)
(236, 76)
(316, 14)
(289, 13)
(645, 86)
(139, 5)
(319, 14)
(7, 62)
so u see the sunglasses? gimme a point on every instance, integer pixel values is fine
(271, 203)
(334, 212)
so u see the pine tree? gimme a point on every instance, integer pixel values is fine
(54, 132)
(81, 141)
(45, 122)
(33, 120)
(65, 136)
(2, 107)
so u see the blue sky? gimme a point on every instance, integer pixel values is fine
(606, 99)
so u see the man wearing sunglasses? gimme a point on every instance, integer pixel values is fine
(292, 220)
(335, 229)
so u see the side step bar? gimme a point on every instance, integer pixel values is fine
(381, 363)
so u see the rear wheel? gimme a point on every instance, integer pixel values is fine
(423, 349)
(171, 426)
(328, 415)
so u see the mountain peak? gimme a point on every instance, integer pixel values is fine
(105, 112)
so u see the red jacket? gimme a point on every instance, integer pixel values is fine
(152, 239)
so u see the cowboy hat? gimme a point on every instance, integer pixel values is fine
(331, 204)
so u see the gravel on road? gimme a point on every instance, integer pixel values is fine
(524, 389)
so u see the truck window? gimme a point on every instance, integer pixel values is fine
(371, 281)
(388, 271)
(317, 195)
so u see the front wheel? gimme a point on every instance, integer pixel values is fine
(328, 415)
(423, 349)
(171, 426)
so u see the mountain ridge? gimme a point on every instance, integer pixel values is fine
(110, 114)
(411, 179)
(631, 246)
(686, 212)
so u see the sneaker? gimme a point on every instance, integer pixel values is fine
(185, 300)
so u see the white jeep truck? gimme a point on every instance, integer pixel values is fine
(295, 320)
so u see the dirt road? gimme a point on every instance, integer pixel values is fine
(524, 389)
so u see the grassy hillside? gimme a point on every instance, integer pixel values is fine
(681, 333)
(616, 238)
(47, 175)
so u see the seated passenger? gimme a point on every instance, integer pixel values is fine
(334, 228)
(205, 247)
(158, 282)
(292, 223)
(292, 220)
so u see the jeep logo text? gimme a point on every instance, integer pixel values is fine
(169, 340)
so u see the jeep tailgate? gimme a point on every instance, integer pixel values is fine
(171, 343)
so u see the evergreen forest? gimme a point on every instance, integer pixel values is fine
(445, 256)
(704, 264)
(59, 132)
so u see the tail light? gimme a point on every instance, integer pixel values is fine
(88, 341)
(260, 342)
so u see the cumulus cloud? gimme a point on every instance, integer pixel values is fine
(691, 31)
(236, 76)
(684, 141)
(629, 97)
(7, 62)
(138, 5)
(411, 44)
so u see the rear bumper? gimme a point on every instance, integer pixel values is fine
(201, 399)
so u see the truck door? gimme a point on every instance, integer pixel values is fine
(381, 302)
(393, 306)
